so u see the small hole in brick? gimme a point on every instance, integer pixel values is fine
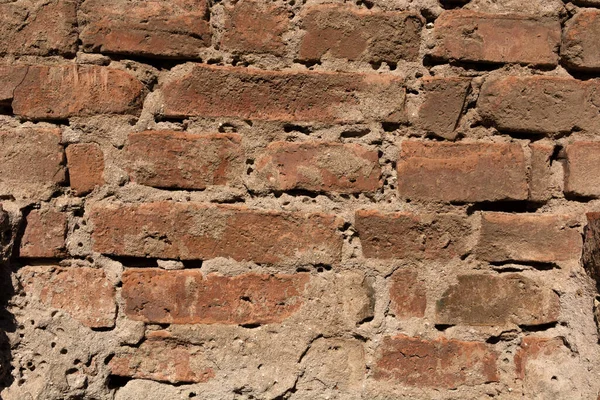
(554, 378)
(76, 361)
(53, 345)
(191, 395)
(63, 351)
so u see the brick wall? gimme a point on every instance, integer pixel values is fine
(380, 199)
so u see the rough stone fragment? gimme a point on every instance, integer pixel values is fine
(86, 167)
(579, 50)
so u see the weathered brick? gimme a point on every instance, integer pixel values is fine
(496, 38)
(38, 27)
(579, 50)
(404, 235)
(582, 171)
(540, 104)
(494, 300)
(439, 363)
(10, 77)
(470, 172)
(188, 297)
(319, 166)
(591, 246)
(63, 91)
(408, 295)
(168, 159)
(200, 231)
(541, 181)
(528, 238)
(44, 235)
(176, 28)
(83, 293)
(86, 167)
(535, 348)
(255, 27)
(443, 105)
(359, 35)
(162, 361)
(209, 91)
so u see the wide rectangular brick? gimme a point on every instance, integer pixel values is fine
(496, 38)
(439, 363)
(528, 238)
(38, 27)
(175, 28)
(178, 160)
(357, 34)
(64, 91)
(209, 91)
(319, 167)
(200, 231)
(188, 297)
(540, 104)
(493, 300)
(582, 170)
(408, 294)
(83, 293)
(579, 49)
(462, 172)
(404, 235)
(86, 167)
(44, 234)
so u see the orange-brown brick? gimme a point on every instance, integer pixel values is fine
(408, 295)
(177, 28)
(579, 49)
(201, 231)
(188, 297)
(44, 235)
(528, 238)
(86, 167)
(210, 91)
(541, 181)
(358, 34)
(168, 159)
(83, 293)
(320, 167)
(497, 300)
(10, 76)
(470, 172)
(439, 363)
(536, 348)
(582, 171)
(496, 38)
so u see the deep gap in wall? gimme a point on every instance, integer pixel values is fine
(136, 261)
(516, 206)
(538, 328)
(298, 193)
(390, 126)
(116, 382)
(355, 133)
(581, 75)
(297, 128)
(442, 327)
(539, 265)
(577, 197)
(160, 62)
(192, 264)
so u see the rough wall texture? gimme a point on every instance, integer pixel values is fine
(380, 199)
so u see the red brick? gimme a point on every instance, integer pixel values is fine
(38, 27)
(439, 363)
(10, 78)
(528, 238)
(360, 35)
(408, 295)
(582, 171)
(493, 300)
(536, 349)
(168, 159)
(44, 235)
(64, 91)
(162, 361)
(540, 181)
(86, 167)
(404, 235)
(579, 50)
(496, 38)
(540, 104)
(255, 27)
(83, 293)
(188, 297)
(460, 172)
(209, 91)
(443, 105)
(200, 231)
(320, 167)
(177, 28)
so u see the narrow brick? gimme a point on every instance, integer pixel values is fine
(255, 27)
(439, 363)
(177, 160)
(579, 50)
(200, 231)
(44, 235)
(528, 238)
(10, 77)
(320, 167)
(357, 34)
(405, 235)
(591, 246)
(496, 38)
(188, 297)
(86, 167)
(582, 171)
(540, 104)
(541, 181)
(471, 172)
(209, 91)
(534, 349)
(83, 293)
(408, 295)
(59, 92)
(175, 29)
(162, 361)
(497, 301)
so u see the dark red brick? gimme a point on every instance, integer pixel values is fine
(408, 295)
(44, 235)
